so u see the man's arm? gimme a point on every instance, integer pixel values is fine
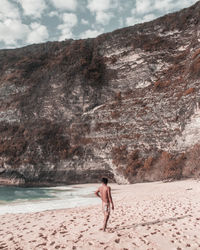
(110, 197)
(97, 193)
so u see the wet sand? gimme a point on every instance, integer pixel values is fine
(146, 216)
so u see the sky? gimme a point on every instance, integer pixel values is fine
(24, 22)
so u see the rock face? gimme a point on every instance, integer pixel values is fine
(124, 105)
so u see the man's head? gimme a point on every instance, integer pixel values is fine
(104, 180)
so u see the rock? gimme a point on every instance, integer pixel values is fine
(124, 105)
(2, 170)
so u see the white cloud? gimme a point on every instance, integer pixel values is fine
(150, 6)
(168, 5)
(53, 13)
(149, 17)
(147, 10)
(91, 33)
(65, 4)
(84, 21)
(8, 10)
(103, 17)
(38, 33)
(99, 5)
(143, 6)
(33, 8)
(12, 31)
(132, 20)
(70, 20)
(102, 10)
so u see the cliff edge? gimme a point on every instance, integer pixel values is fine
(124, 105)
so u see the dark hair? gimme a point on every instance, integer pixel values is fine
(104, 180)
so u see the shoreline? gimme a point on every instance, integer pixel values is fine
(146, 216)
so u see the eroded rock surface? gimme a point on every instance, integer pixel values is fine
(73, 111)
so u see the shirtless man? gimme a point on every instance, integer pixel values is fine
(104, 192)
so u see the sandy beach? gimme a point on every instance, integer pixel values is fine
(146, 216)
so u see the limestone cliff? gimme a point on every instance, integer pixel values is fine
(125, 105)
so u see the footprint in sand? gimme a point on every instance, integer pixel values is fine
(117, 240)
(63, 232)
(57, 247)
(54, 232)
(41, 244)
(80, 236)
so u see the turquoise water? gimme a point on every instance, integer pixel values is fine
(26, 200)
(9, 194)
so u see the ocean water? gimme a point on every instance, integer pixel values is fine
(28, 200)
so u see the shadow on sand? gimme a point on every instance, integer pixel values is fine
(152, 222)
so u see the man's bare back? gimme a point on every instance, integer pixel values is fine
(104, 192)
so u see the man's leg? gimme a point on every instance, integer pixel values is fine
(106, 217)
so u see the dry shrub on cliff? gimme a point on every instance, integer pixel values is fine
(161, 84)
(118, 97)
(92, 65)
(94, 71)
(144, 173)
(133, 163)
(119, 155)
(115, 114)
(103, 125)
(128, 163)
(13, 76)
(29, 143)
(192, 164)
(189, 91)
(148, 163)
(195, 67)
(196, 53)
(113, 59)
(169, 166)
